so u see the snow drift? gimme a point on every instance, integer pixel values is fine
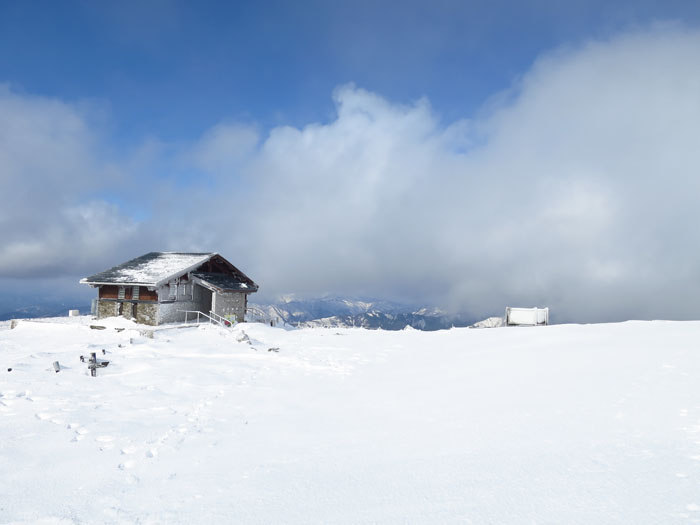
(564, 424)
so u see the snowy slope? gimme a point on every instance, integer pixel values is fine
(559, 424)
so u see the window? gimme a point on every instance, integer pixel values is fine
(135, 293)
(120, 294)
(173, 290)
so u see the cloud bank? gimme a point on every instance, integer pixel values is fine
(576, 189)
(50, 218)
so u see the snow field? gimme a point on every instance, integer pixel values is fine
(557, 424)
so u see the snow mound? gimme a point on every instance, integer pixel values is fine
(491, 322)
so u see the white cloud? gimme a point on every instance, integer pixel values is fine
(577, 189)
(579, 192)
(49, 224)
(224, 147)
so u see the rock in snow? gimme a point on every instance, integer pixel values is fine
(563, 424)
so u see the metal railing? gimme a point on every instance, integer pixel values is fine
(213, 318)
(221, 319)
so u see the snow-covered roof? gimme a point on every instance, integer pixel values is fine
(223, 282)
(152, 269)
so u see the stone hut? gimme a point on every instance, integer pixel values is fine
(159, 287)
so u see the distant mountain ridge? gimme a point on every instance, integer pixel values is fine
(326, 312)
(341, 312)
(48, 309)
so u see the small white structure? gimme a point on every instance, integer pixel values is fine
(527, 316)
(73, 313)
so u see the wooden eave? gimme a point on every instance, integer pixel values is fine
(96, 284)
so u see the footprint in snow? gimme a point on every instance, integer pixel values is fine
(132, 480)
(80, 434)
(129, 449)
(105, 442)
(127, 465)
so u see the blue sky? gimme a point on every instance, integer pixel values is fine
(174, 68)
(377, 149)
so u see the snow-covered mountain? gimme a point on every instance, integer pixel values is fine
(341, 312)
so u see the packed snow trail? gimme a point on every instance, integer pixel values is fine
(559, 424)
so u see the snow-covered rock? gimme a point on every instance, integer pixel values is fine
(491, 322)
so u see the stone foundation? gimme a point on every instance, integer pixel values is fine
(127, 310)
(147, 313)
(144, 313)
(107, 309)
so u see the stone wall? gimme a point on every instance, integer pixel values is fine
(230, 305)
(127, 310)
(171, 311)
(107, 309)
(147, 313)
